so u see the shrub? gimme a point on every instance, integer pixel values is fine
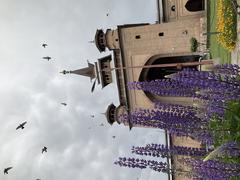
(194, 44)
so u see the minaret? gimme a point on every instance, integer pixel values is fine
(100, 71)
(113, 114)
(89, 71)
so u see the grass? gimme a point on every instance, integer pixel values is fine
(216, 50)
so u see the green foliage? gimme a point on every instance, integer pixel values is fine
(234, 178)
(194, 44)
(227, 129)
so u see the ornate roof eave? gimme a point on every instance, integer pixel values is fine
(107, 114)
(97, 43)
(97, 72)
(102, 69)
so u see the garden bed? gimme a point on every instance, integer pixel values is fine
(216, 49)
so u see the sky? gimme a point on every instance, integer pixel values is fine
(32, 89)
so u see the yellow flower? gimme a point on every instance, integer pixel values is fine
(225, 24)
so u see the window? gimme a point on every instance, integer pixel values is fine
(161, 34)
(173, 8)
(138, 37)
(195, 5)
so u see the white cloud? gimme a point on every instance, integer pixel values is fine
(32, 89)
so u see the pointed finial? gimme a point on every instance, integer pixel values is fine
(65, 72)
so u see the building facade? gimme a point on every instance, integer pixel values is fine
(135, 47)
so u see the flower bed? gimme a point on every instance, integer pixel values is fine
(213, 119)
(226, 24)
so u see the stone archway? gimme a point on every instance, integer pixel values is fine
(150, 74)
(195, 5)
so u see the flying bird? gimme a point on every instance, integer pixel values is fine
(47, 58)
(21, 125)
(113, 137)
(44, 45)
(92, 116)
(38, 179)
(101, 124)
(107, 14)
(44, 149)
(64, 104)
(6, 170)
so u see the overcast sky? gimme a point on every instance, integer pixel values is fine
(32, 89)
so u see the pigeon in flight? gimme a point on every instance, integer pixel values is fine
(38, 179)
(44, 149)
(107, 14)
(92, 116)
(21, 125)
(44, 45)
(47, 58)
(113, 137)
(64, 104)
(101, 124)
(6, 170)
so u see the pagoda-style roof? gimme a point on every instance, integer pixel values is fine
(88, 71)
(110, 114)
(100, 40)
(113, 113)
(91, 71)
(105, 70)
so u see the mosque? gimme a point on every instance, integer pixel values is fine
(137, 48)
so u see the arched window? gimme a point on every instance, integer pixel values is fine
(149, 74)
(194, 5)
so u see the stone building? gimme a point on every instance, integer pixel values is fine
(138, 45)
(135, 46)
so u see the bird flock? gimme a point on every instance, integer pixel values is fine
(44, 45)
(22, 125)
